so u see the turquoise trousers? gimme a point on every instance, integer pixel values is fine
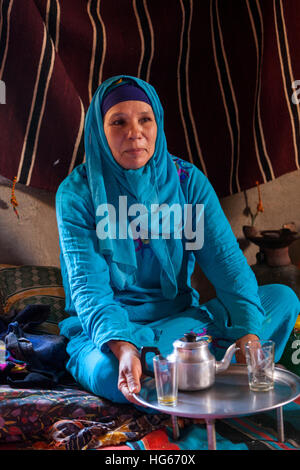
(98, 371)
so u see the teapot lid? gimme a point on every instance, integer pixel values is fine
(189, 341)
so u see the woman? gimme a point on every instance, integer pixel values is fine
(126, 279)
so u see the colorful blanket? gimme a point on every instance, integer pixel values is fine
(257, 432)
(69, 418)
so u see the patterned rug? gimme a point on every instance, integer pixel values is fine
(257, 432)
(71, 419)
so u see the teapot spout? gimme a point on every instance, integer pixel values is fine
(224, 364)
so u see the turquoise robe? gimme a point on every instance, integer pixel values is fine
(139, 312)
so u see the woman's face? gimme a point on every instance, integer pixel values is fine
(131, 130)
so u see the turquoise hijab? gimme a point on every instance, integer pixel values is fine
(155, 183)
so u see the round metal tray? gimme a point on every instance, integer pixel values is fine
(229, 396)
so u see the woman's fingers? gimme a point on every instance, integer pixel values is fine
(240, 354)
(129, 375)
(127, 385)
(133, 384)
(130, 368)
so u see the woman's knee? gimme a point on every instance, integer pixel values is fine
(279, 296)
(104, 379)
(282, 307)
(96, 371)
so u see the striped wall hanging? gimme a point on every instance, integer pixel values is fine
(226, 72)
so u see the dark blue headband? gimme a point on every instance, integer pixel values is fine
(126, 92)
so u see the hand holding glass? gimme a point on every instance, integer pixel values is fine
(260, 363)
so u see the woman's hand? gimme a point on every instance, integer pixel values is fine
(240, 354)
(130, 368)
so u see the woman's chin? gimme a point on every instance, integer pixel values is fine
(134, 162)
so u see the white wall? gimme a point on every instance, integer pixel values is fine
(33, 239)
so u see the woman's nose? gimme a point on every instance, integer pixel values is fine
(134, 131)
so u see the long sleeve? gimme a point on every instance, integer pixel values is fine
(224, 264)
(102, 317)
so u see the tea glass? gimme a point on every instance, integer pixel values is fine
(166, 379)
(260, 364)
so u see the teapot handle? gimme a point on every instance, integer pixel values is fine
(144, 351)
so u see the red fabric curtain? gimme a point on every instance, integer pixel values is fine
(226, 72)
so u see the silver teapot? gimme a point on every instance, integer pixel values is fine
(197, 367)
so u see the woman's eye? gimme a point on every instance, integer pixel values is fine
(122, 122)
(117, 122)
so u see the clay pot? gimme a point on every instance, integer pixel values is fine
(273, 244)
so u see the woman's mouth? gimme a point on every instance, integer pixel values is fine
(135, 150)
